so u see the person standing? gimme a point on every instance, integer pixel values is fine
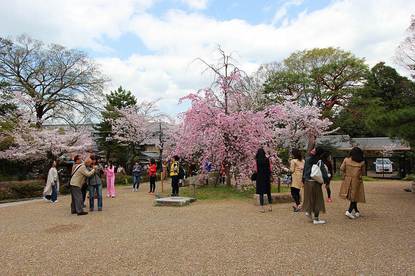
(110, 174)
(329, 165)
(95, 184)
(263, 179)
(352, 188)
(121, 172)
(50, 191)
(222, 173)
(174, 174)
(296, 168)
(136, 176)
(78, 177)
(77, 160)
(313, 194)
(152, 172)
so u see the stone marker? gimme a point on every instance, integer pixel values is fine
(276, 198)
(173, 201)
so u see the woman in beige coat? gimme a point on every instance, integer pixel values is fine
(296, 168)
(352, 187)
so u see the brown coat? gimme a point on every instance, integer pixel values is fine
(352, 186)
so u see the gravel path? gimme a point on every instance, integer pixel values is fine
(131, 237)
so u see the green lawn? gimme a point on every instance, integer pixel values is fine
(223, 192)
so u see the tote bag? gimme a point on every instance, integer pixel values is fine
(316, 173)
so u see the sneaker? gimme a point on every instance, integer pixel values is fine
(45, 199)
(319, 221)
(329, 200)
(357, 215)
(91, 209)
(100, 209)
(82, 213)
(261, 209)
(270, 208)
(349, 215)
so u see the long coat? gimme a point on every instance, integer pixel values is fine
(296, 168)
(51, 180)
(263, 178)
(352, 186)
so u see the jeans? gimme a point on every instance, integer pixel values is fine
(76, 203)
(54, 195)
(136, 181)
(175, 185)
(92, 190)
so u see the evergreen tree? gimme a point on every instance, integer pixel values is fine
(384, 107)
(117, 99)
(392, 103)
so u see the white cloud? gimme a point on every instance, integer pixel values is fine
(370, 29)
(196, 4)
(282, 11)
(74, 23)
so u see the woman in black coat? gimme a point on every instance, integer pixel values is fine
(263, 179)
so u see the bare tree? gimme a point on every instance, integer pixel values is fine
(406, 50)
(56, 83)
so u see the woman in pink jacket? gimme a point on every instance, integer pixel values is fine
(110, 173)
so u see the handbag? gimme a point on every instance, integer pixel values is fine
(253, 176)
(316, 173)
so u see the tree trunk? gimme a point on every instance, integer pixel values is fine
(311, 143)
(228, 176)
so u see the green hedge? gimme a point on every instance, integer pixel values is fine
(21, 189)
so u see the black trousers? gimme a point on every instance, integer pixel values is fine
(328, 191)
(175, 185)
(261, 198)
(295, 193)
(353, 206)
(84, 189)
(152, 184)
(76, 203)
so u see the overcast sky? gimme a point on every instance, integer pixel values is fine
(149, 46)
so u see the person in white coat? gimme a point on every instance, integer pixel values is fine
(50, 192)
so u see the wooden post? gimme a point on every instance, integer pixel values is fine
(279, 184)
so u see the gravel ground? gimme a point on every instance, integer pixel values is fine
(131, 237)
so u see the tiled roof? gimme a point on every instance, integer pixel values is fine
(344, 142)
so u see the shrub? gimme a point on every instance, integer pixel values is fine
(21, 189)
(410, 177)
